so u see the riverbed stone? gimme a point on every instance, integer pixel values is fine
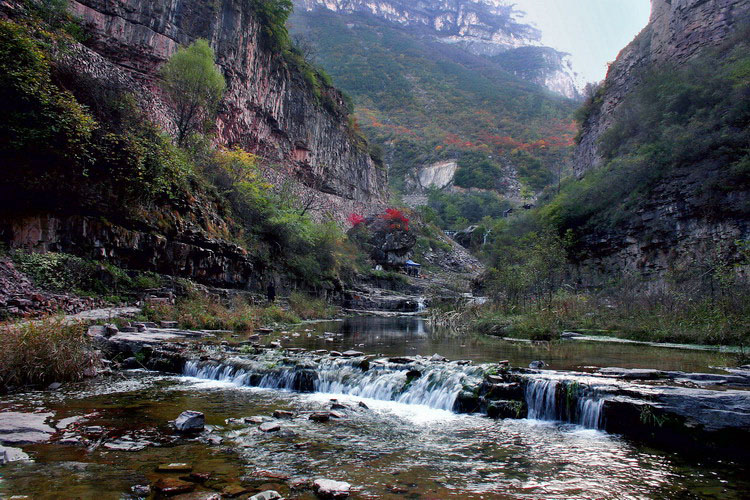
(282, 414)
(173, 486)
(141, 490)
(190, 421)
(9, 454)
(352, 354)
(320, 417)
(266, 495)
(233, 490)
(125, 445)
(269, 427)
(174, 467)
(330, 489)
(536, 365)
(20, 428)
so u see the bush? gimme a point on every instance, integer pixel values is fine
(41, 352)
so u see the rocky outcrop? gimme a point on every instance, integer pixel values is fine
(268, 107)
(20, 297)
(437, 175)
(677, 31)
(190, 253)
(675, 224)
(482, 27)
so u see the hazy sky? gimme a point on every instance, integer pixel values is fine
(592, 31)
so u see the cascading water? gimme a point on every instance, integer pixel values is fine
(421, 306)
(551, 399)
(436, 386)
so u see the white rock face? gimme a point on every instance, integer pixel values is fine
(437, 175)
(327, 488)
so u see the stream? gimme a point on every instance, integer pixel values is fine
(111, 433)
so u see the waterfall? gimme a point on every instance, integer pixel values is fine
(541, 396)
(564, 400)
(436, 386)
(421, 307)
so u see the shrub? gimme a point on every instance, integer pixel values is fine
(42, 352)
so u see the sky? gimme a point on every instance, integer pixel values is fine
(592, 31)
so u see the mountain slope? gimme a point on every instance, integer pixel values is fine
(426, 101)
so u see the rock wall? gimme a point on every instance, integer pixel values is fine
(677, 31)
(305, 141)
(190, 253)
(674, 225)
(268, 108)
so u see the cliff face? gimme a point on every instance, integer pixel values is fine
(267, 109)
(482, 27)
(677, 31)
(674, 223)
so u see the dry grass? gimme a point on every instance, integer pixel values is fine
(203, 313)
(42, 352)
(307, 307)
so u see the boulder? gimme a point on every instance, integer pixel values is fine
(8, 454)
(536, 365)
(329, 489)
(266, 495)
(269, 427)
(168, 324)
(320, 417)
(190, 421)
(283, 414)
(172, 486)
(352, 354)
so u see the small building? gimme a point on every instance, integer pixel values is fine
(412, 268)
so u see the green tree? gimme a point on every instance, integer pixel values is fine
(194, 85)
(273, 15)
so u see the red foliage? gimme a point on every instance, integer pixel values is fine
(355, 219)
(396, 218)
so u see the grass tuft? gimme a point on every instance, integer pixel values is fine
(41, 352)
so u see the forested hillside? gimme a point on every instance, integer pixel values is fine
(425, 101)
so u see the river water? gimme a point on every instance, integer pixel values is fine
(388, 450)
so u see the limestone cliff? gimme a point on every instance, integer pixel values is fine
(678, 220)
(677, 31)
(269, 108)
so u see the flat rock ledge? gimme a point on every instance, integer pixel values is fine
(698, 410)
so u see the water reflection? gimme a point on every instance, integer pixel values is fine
(408, 336)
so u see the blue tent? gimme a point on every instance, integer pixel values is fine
(411, 263)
